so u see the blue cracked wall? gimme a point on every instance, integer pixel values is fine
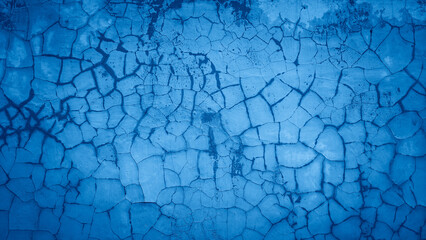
(205, 119)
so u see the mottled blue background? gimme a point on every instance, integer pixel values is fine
(171, 119)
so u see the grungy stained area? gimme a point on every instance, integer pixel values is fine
(202, 119)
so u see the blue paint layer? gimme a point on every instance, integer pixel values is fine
(212, 119)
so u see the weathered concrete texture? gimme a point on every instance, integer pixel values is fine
(178, 119)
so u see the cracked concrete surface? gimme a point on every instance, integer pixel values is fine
(176, 119)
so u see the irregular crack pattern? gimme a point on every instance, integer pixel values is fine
(180, 119)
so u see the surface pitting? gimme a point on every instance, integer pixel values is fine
(205, 119)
